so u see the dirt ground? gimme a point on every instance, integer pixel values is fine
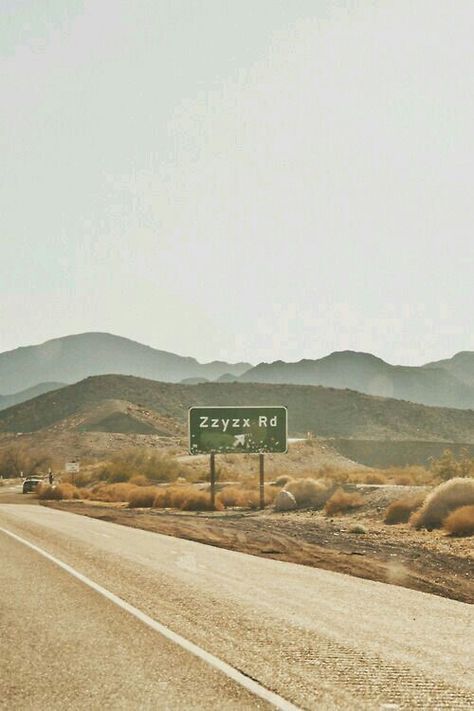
(432, 562)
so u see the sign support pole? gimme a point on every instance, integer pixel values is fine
(213, 480)
(261, 457)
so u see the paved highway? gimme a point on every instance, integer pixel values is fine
(318, 640)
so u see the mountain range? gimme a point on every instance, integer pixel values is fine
(447, 383)
(73, 358)
(32, 370)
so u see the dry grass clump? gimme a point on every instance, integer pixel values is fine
(282, 480)
(167, 498)
(112, 492)
(400, 511)
(59, 492)
(233, 496)
(375, 478)
(154, 466)
(447, 497)
(413, 475)
(142, 497)
(460, 522)
(342, 501)
(309, 493)
(185, 498)
(139, 480)
(448, 467)
(200, 501)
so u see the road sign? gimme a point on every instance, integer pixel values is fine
(72, 467)
(237, 430)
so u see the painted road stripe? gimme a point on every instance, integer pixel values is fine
(253, 686)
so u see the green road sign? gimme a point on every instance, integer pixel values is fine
(237, 429)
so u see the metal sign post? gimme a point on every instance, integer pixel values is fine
(261, 458)
(212, 477)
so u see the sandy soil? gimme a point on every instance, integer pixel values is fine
(432, 562)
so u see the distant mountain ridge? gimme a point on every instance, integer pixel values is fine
(460, 365)
(73, 358)
(444, 384)
(28, 394)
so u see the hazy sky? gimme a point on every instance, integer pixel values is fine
(239, 179)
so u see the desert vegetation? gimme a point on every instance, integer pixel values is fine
(151, 465)
(61, 492)
(342, 501)
(448, 467)
(19, 461)
(309, 493)
(445, 498)
(460, 522)
(158, 479)
(399, 511)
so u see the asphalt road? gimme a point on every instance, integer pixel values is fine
(318, 639)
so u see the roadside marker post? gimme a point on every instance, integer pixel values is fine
(237, 430)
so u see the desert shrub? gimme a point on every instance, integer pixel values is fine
(232, 496)
(400, 511)
(410, 475)
(403, 480)
(375, 478)
(308, 492)
(58, 493)
(447, 497)
(154, 466)
(120, 491)
(167, 497)
(448, 467)
(18, 461)
(139, 480)
(283, 480)
(460, 522)
(342, 501)
(199, 501)
(142, 497)
(338, 476)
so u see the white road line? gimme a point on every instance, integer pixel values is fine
(253, 686)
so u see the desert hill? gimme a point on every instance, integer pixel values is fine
(326, 412)
(73, 358)
(436, 385)
(28, 394)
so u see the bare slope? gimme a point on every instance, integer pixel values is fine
(73, 358)
(326, 412)
(368, 374)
